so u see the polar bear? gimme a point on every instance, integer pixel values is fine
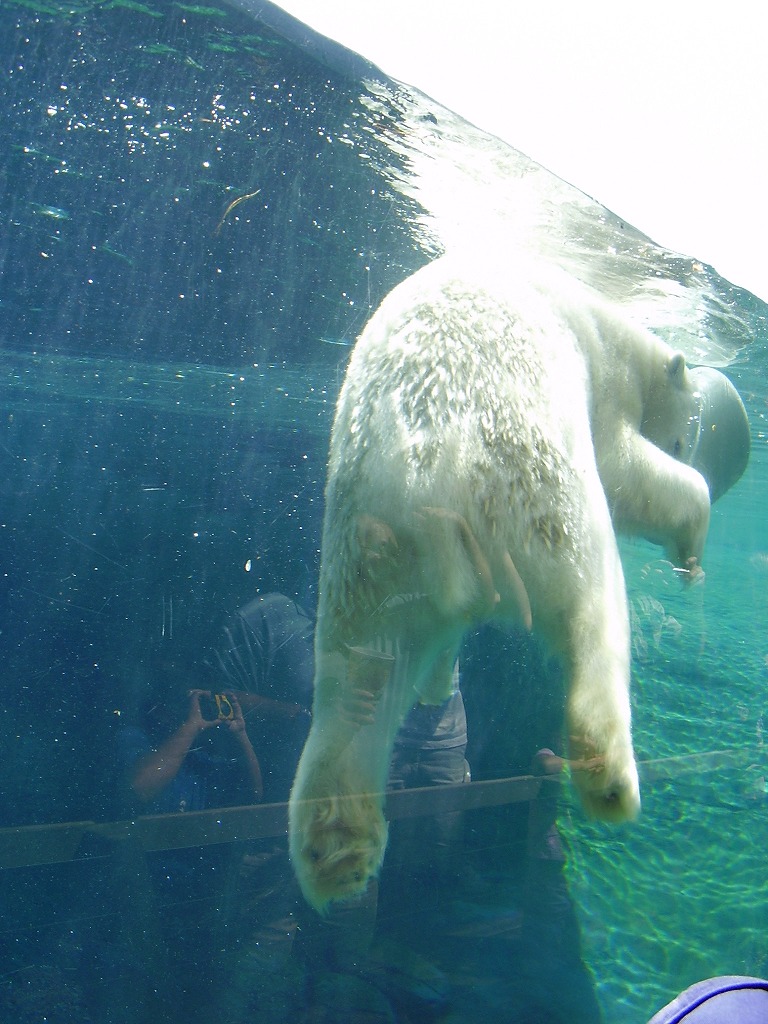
(492, 432)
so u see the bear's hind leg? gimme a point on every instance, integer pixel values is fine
(337, 830)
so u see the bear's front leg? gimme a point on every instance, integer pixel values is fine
(607, 780)
(597, 662)
(602, 759)
(337, 836)
(337, 829)
(656, 496)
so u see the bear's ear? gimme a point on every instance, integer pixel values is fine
(676, 369)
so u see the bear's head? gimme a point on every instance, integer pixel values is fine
(697, 416)
(720, 448)
(670, 413)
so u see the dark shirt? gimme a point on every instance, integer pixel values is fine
(205, 778)
(269, 650)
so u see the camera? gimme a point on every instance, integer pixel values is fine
(216, 708)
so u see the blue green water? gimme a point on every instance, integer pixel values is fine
(677, 897)
(199, 215)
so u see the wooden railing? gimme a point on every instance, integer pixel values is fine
(32, 845)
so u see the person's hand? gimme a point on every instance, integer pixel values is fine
(586, 759)
(379, 550)
(592, 765)
(236, 724)
(194, 714)
(433, 512)
(358, 708)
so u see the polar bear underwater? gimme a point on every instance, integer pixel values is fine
(492, 432)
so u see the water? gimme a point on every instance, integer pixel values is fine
(199, 216)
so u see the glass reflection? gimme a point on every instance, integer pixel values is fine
(201, 210)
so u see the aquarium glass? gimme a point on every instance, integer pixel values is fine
(201, 207)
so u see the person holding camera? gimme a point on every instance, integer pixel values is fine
(187, 750)
(178, 776)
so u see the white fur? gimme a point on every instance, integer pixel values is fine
(542, 419)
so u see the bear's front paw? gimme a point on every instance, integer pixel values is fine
(337, 846)
(607, 783)
(690, 572)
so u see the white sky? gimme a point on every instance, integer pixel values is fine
(656, 108)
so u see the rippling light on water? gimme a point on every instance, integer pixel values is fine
(660, 126)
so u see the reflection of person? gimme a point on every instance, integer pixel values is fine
(177, 760)
(175, 776)
(267, 658)
(429, 750)
(515, 699)
(550, 932)
(544, 842)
